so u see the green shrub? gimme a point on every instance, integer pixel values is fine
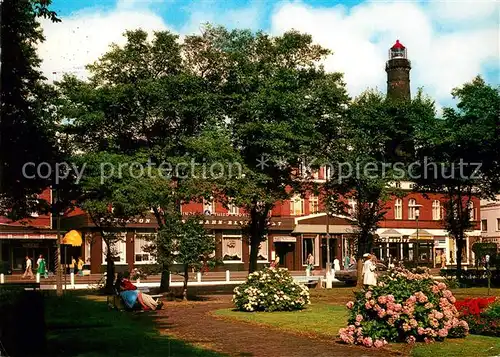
(271, 290)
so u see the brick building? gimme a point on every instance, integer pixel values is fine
(30, 237)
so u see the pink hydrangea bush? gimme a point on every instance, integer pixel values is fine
(271, 290)
(405, 306)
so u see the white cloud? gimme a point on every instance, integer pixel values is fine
(448, 42)
(360, 38)
(84, 36)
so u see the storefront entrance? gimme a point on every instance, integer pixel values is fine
(17, 253)
(286, 253)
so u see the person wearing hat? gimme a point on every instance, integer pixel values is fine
(369, 267)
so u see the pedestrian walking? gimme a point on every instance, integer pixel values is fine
(79, 266)
(42, 267)
(28, 270)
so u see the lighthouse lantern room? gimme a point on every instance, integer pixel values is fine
(397, 51)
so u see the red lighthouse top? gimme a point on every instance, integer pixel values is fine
(397, 46)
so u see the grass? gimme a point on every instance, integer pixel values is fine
(327, 314)
(319, 319)
(77, 326)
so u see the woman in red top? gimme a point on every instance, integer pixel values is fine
(130, 295)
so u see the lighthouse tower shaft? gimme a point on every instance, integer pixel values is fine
(398, 73)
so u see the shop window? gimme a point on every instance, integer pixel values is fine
(118, 248)
(232, 248)
(262, 255)
(141, 252)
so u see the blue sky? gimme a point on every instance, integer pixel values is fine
(448, 42)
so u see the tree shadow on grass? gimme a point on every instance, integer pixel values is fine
(81, 327)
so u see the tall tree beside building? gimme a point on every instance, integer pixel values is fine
(144, 101)
(371, 156)
(277, 101)
(27, 121)
(459, 156)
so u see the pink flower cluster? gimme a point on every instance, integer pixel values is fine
(354, 335)
(428, 314)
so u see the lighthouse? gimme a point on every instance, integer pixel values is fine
(398, 72)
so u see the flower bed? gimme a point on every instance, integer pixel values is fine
(482, 315)
(271, 290)
(404, 306)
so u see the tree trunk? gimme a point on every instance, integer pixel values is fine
(254, 251)
(110, 271)
(185, 287)
(165, 280)
(359, 282)
(257, 231)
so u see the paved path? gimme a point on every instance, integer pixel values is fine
(193, 323)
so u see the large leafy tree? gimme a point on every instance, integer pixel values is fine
(143, 101)
(372, 154)
(27, 118)
(277, 101)
(459, 156)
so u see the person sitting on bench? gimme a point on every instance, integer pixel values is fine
(133, 297)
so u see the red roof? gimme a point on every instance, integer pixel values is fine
(398, 45)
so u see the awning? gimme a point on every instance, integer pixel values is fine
(73, 238)
(422, 234)
(321, 229)
(389, 233)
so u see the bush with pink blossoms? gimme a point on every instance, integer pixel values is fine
(404, 307)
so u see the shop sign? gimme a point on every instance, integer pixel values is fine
(216, 214)
(123, 221)
(285, 239)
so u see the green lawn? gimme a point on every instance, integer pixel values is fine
(81, 327)
(324, 318)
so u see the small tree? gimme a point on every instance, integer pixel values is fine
(192, 247)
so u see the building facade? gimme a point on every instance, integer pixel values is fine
(490, 221)
(30, 237)
(412, 230)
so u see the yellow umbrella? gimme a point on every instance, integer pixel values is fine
(73, 238)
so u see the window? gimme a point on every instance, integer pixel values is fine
(118, 248)
(498, 224)
(328, 172)
(296, 206)
(232, 248)
(351, 209)
(262, 255)
(208, 206)
(313, 204)
(232, 208)
(398, 209)
(436, 210)
(484, 225)
(472, 211)
(307, 248)
(412, 208)
(141, 253)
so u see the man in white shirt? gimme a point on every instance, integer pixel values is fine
(28, 272)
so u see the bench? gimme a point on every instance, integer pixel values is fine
(309, 281)
(114, 300)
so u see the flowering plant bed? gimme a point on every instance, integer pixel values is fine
(271, 290)
(404, 306)
(482, 315)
